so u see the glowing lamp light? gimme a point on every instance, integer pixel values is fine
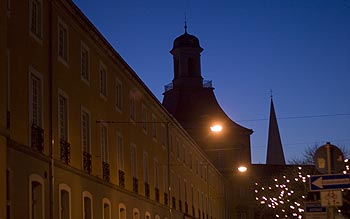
(216, 128)
(242, 169)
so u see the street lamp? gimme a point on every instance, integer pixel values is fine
(242, 168)
(216, 128)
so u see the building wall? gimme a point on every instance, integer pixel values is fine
(40, 75)
(3, 108)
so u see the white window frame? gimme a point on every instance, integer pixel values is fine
(145, 167)
(65, 117)
(36, 178)
(104, 143)
(154, 127)
(88, 195)
(64, 187)
(120, 208)
(85, 75)
(132, 107)
(147, 215)
(106, 201)
(64, 58)
(133, 160)
(118, 95)
(165, 179)
(136, 213)
(88, 131)
(103, 78)
(144, 118)
(120, 151)
(163, 135)
(156, 173)
(39, 77)
(37, 34)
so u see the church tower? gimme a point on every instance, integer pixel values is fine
(191, 100)
(275, 153)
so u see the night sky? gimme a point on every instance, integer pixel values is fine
(299, 49)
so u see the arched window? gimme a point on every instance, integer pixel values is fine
(36, 197)
(64, 201)
(136, 213)
(122, 211)
(147, 215)
(157, 217)
(106, 208)
(87, 205)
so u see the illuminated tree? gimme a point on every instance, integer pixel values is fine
(281, 190)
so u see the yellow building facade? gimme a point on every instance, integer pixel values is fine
(81, 136)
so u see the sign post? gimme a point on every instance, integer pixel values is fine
(328, 159)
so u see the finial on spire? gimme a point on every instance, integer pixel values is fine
(185, 24)
(271, 94)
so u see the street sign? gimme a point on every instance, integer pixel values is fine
(314, 210)
(329, 159)
(331, 198)
(329, 182)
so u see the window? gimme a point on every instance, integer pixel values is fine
(145, 167)
(103, 80)
(122, 211)
(85, 130)
(132, 105)
(144, 117)
(177, 148)
(165, 179)
(64, 201)
(62, 41)
(118, 95)
(35, 19)
(185, 190)
(106, 206)
(147, 215)
(63, 116)
(154, 127)
(120, 152)
(183, 154)
(156, 174)
(163, 135)
(191, 160)
(133, 160)
(36, 197)
(136, 213)
(84, 62)
(179, 186)
(104, 143)
(35, 91)
(87, 205)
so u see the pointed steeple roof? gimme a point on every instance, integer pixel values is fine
(275, 153)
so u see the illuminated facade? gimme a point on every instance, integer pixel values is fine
(81, 136)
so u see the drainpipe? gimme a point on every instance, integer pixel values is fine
(51, 140)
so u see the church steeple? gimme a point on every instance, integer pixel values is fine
(275, 153)
(187, 64)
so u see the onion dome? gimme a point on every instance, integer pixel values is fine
(186, 40)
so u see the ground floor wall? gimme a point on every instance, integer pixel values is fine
(39, 187)
(3, 198)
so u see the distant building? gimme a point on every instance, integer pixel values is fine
(81, 136)
(191, 100)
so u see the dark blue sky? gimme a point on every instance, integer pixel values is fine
(300, 49)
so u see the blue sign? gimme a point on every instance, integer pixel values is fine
(329, 182)
(314, 207)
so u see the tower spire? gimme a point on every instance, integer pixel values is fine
(275, 153)
(185, 24)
